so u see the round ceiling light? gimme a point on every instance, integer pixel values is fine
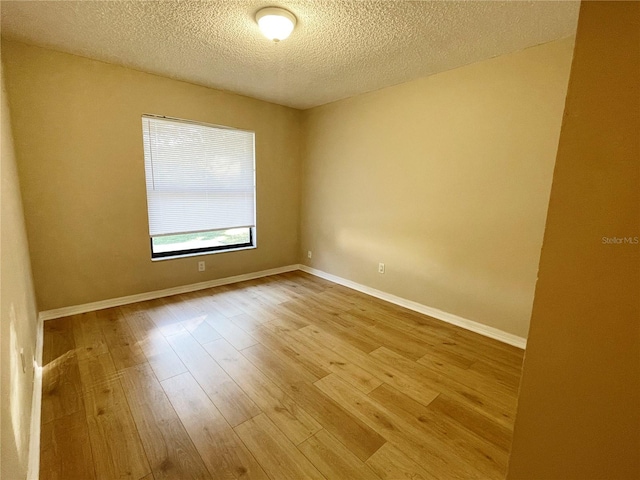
(275, 23)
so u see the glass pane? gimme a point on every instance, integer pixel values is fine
(192, 241)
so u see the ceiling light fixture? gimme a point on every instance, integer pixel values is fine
(275, 23)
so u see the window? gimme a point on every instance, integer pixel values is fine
(200, 187)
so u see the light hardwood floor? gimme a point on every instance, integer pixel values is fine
(285, 377)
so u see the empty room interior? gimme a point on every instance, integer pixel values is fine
(383, 240)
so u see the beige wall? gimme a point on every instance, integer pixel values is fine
(18, 314)
(579, 409)
(78, 134)
(445, 179)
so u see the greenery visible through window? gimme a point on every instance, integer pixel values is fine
(201, 241)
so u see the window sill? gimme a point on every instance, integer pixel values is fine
(200, 254)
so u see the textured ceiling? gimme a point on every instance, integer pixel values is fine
(338, 49)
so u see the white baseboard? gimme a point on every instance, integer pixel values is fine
(141, 297)
(33, 471)
(476, 327)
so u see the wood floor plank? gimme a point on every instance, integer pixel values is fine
(193, 318)
(445, 349)
(314, 302)
(402, 343)
(259, 316)
(160, 313)
(117, 450)
(425, 331)
(245, 295)
(389, 463)
(353, 433)
(333, 459)
(333, 362)
(58, 339)
(201, 330)
(61, 388)
(347, 297)
(88, 336)
(476, 348)
(464, 443)
(317, 317)
(261, 313)
(286, 320)
(443, 344)
(224, 454)
(121, 342)
(217, 300)
(304, 281)
(274, 290)
(220, 322)
(276, 282)
(169, 449)
(65, 449)
(247, 322)
(480, 382)
(289, 417)
(438, 359)
(281, 345)
(232, 402)
(163, 360)
(258, 294)
(492, 346)
(344, 302)
(500, 410)
(277, 455)
(510, 380)
(397, 315)
(379, 333)
(405, 434)
(231, 332)
(298, 286)
(416, 389)
(290, 372)
(351, 320)
(467, 416)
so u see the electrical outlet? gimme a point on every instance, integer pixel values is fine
(309, 254)
(381, 268)
(201, 266)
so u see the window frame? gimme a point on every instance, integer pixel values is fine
(251, 244)
(192, 252)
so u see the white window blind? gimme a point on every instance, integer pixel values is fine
(199, 177)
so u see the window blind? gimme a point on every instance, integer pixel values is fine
(199, 177)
